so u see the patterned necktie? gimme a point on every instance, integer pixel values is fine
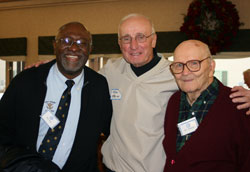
(52, 137)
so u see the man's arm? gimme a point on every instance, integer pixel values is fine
(242, 96)
(15, 157)
(37, 64)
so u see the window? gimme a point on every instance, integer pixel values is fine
(230, 71)
(2, 77)
(8, 70)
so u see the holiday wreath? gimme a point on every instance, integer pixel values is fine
(214, 22)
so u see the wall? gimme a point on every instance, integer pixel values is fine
(98, 16)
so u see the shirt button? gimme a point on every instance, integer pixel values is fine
(192, 113)
(172, 162)
(204, 102)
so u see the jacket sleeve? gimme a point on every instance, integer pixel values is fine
(14, 157)
(7, 114)
(107, 109)
(17, 159)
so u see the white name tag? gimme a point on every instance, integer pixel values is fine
(115, 94)
(188, 126)
(50, 119)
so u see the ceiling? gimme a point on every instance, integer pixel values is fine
(18, 4)
(1, 1)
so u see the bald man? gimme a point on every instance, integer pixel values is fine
(204, 131)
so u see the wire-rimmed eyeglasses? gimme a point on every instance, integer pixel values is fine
(68, 42)
(140, 38)
(192, 65)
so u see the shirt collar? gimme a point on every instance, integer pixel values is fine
(212, 89)
(143, 69)
(78, 80)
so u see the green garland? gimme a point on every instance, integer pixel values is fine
(214, 22)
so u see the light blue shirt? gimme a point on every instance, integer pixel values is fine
(55, 87)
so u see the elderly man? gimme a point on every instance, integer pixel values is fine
(140, 84)
(47, 125)
(204, 131)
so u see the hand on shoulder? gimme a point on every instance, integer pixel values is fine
(242, 96)
(37, 64)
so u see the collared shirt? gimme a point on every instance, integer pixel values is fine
(55, 87)
(199, 109)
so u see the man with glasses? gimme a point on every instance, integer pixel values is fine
(204, 131)
(46, 129)
(140, 84)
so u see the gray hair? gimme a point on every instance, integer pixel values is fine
(135, 15)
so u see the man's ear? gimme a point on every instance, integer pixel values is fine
(54, 46)
(212, 68)
(120, 44)
(154, 40)
(90, 48)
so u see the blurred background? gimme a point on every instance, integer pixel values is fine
(27, 28)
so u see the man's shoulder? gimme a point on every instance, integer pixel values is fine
(224, 92)
(223, 103)
(92, 74)
(113, 65)
(176, 97)
(164, 60)
(115, 62)
(35, 73)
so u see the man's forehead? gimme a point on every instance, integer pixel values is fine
(135, 25)
(74, 31)
(189, 51)
(186, 56)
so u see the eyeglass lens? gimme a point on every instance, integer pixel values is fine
(192, 65)
(139, 38)
(68, 42)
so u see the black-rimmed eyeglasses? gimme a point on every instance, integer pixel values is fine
(68, 42)
(192, 65)
(140, 38)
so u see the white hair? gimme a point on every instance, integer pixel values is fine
(135, 15)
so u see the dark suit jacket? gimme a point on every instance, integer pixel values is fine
(221, 143)
(21, 106)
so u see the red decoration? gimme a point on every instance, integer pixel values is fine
(214, 22)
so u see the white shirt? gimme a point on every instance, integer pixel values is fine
(55, 87)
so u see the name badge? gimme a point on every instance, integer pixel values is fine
(188, 126)
(50, 119)
(115, 94)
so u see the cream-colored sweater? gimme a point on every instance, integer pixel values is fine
(139, 105)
